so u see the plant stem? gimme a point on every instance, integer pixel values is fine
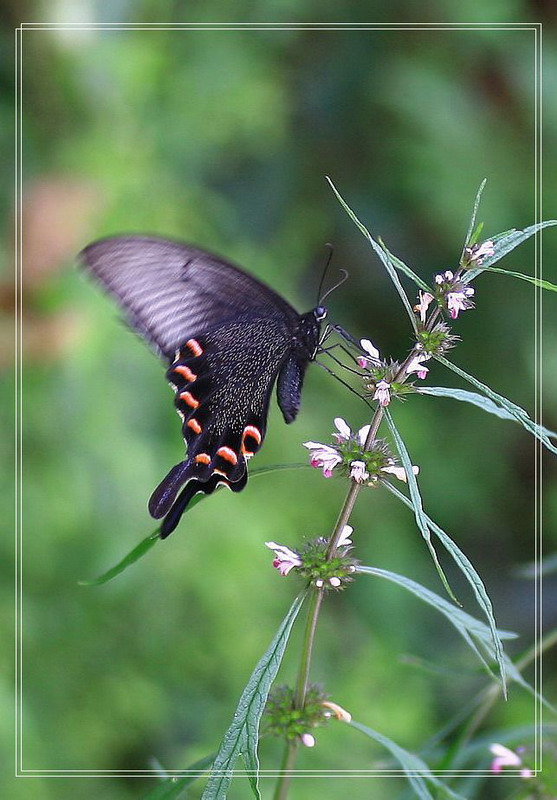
(307, 648)
(353, 491)
(288, 761)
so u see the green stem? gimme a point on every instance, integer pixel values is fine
(288, 761)
(307, 648)
(354, 490)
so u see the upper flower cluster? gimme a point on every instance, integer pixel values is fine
(450, 290)
(454, 292)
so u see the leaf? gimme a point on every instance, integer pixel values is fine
(241, 737)
(173, 788)
(476, 400)
(405, 269)
(416, 501)
(476, 633)
(505, 243)
(536, 281)
(382, 253)
(472, 232)
(515, 411)
(476, 235)
(416, 770)
(476, 584)
(134, 555)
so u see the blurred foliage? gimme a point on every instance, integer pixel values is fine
(223, 138)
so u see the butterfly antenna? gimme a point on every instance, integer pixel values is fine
(344, 278)
(331, 250)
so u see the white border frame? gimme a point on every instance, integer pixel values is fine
(536, 28)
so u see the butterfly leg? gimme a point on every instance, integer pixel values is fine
(344, 383)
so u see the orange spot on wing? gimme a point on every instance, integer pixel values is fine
(194, 347)
(194, 425)
(255, 433)
(203, 458)
(228, 454)
(185, 372)
(189, 399)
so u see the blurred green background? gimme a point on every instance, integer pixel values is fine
(223, 138)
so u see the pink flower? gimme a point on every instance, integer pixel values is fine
(399, 472)
(458, 301)
(445, 277)
(479, 252)
(344, 432)
(307, 740)
(345, 539)
(425, 299)
(416, 365)
(324, 457)
(285, 558)
(507, 758)
(358, 471)
(372, 357)
(382, 393)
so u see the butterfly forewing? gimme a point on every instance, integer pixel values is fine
(170, 291)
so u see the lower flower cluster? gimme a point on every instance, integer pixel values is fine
(311, 561)
(283, 720)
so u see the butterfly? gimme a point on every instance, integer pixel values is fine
(227, 339)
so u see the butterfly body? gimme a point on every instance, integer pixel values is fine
(227, 339)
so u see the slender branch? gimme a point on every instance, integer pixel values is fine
(288, 761)
(307, 648)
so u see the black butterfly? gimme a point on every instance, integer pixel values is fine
(226, 337)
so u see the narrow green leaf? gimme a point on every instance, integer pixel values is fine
(472, 225)
(536, 281)
(175, 787)
(477, 634)
(505, 243)
(421, 519)
(515, 411)
(134, 555)
(241, 737)
(416, 770)
(467, 397)
(476, 400)
(405, 269)
(469, 571)
(476, 235)
(381, 252)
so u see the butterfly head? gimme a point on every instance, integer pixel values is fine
(320, 312)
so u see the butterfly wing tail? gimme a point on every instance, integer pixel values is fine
(189, 491)
(164, 495)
